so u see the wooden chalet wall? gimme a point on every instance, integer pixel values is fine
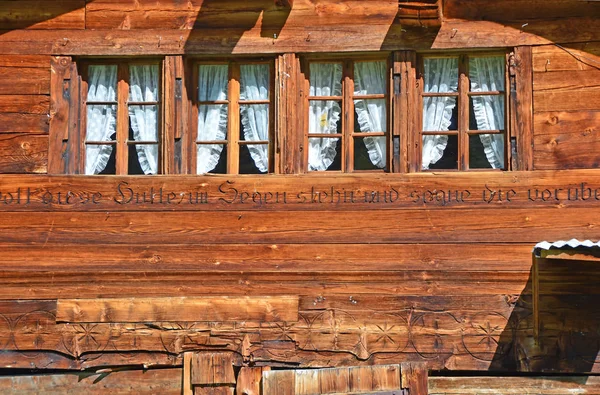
(300, 270)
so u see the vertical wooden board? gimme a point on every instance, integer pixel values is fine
(279, 382)
(201, 368)
(360, 379)
(386, 377)
(414, 377)
(168, 116)
(307, 382)
(522, 105)
(222, 365)
(334, 380)
(186, 379)
(248, 381)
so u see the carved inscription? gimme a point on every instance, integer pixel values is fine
(228, 193)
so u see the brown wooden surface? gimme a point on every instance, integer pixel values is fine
(414, 378)
(554, 385)
(23, 153)
(153, 381)
(262, 308)
(522, 108)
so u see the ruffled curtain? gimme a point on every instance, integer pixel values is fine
(370, 78)
(441, 76)
(143, 87)
(255, 117)
(101, 118)
(212, 118)
(487, 74)
(324, 115)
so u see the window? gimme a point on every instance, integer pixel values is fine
(347, 115)
(234, 131)
(464, 112)
(121, 114)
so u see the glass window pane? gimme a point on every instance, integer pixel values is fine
(143, 83)
(143, 159)
(102, 83)
(212, 82)
(254, 81)
(99, 159)
(324, 154)
(254, 158)
(143, 122)
(371, 115)
(486, 151)
(369, 153)
(324, 116)
(325, 79)
(488, 112)
(440, 152)
(370, 78)
(212, 122)
(487, 73)
(440, 75)
(440, 113)
(211, 158)
(101, 122)
(255, 122)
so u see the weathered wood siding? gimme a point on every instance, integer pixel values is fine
(408, 267)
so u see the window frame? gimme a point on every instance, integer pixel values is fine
(233, 142)
(463, 95)
(122, 142)
(348, 134)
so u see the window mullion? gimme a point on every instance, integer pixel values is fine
(233, 126)
(122, 119)
(348, 118)
(463, 113)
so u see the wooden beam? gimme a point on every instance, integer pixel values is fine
(281, 309)
(414, 378)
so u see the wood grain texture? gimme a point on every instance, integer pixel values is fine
(23, 153)
(153, 381)
(554, 385)
(179, 309)
(39, 14)
(25, 104)
(24, 80)
(574, 57)
(567, 140)
(24, 123)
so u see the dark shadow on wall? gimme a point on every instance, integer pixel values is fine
(569, 322)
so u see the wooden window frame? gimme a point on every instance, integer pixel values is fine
(348, 133)
(233, 141)
(122, 142)
(463, 95)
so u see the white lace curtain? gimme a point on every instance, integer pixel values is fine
(101, 118)
(441, 76)
(487, 74)
(324, 115)
(143, 87)
(212, 118)
(255, 117)
(370, 78)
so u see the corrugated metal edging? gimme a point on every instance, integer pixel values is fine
(565, 245)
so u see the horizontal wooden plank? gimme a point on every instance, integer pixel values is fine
(152, 381)
(24, 123)
(23, 153)
(580, 188)
(393, 226)
(266, 257)
(24, 80)
(519, 10)
(215, 308)
(549, 58)
(558, 81)
(554, 385)
(42, 61)
(566, 140)
(458, 33)
(576, 100)
(25, 104)
(40, 14)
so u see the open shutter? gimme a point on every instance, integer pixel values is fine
(65, 133)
